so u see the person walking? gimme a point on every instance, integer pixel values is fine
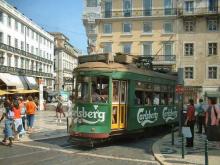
(200, 116)
(23, 111)
(190, 122)
(30, 111)
(212, 120)
(59, 109)
(8, 114)
(17, 119)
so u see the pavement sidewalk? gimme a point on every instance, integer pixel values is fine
(168, 154)
(45, 127)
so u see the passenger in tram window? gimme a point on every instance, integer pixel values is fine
(137, 98)
(156, 100)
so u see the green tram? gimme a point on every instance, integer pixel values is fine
(114, 97)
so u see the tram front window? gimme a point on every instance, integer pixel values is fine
(83, 89)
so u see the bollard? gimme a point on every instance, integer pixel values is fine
(67, 124)
(206, 152)
(172, 132)
(183, 149)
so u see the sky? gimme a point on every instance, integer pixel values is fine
(63, 16)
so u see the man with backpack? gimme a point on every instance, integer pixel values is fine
(200, 116)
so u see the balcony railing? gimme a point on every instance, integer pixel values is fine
(24, 53)
(163, 59)
(140, 13)
(199, 11)
(26, 72)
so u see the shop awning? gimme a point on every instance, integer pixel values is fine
(13, 81)
(32, 84)
(212, 93)
(23, 91)
(4, 93)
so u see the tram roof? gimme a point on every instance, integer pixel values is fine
(110, 67)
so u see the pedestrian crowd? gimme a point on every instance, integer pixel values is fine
(18, 115)
(206, 117)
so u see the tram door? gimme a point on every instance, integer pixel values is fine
(119, 104)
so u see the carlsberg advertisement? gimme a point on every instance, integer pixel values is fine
(149, 116)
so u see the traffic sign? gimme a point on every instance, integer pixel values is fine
(179, 89)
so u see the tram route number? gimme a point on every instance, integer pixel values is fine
(179, 89)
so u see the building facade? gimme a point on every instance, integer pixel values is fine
(65, 60)
(178, 34)
(26, 50)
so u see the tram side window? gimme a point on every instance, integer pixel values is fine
(148, 98)
(100, 89)
(164, 98)
(156, 98)
(83, 89)
(139, 97)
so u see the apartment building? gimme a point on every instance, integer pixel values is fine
(65, 60)
(177, 34)
(198, 47)
(26, 51)
(138, 27)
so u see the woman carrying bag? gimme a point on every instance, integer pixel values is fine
(212, 120)
(190, 122)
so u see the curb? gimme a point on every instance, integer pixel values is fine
(156, 152)
(27, 139)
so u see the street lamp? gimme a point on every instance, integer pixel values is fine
(41, 102)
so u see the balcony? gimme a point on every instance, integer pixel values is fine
(140, 13)
(26, 72)
(199, 11)
(163, 59)
(21, 52)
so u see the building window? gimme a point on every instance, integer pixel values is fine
(147, 27)
(16, 61)
(27, 64)
(107, 47)
(168, 51)
(189, 6)
(32, 49)
(27, 30)
(9, 40)
(188, 72)
(147, 7)
(127, 27)
(1, 37)
(107, 28)
(22, 63)
(168, 27)
(147, 49)
(91, 3)
(22, 28)
(212, 24)
(212, 49)
(32, 36)
(9, 21)
(16, 25)
(188, 49)
(9, 59)
(1, 16)
(16, 43)
(213, 5)
(127, 8)
(212, 72)
(189, 26)
(108, 8)
(36, 51)
(22, 45)
(27, 48)
(126, 48)
(168, 7)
